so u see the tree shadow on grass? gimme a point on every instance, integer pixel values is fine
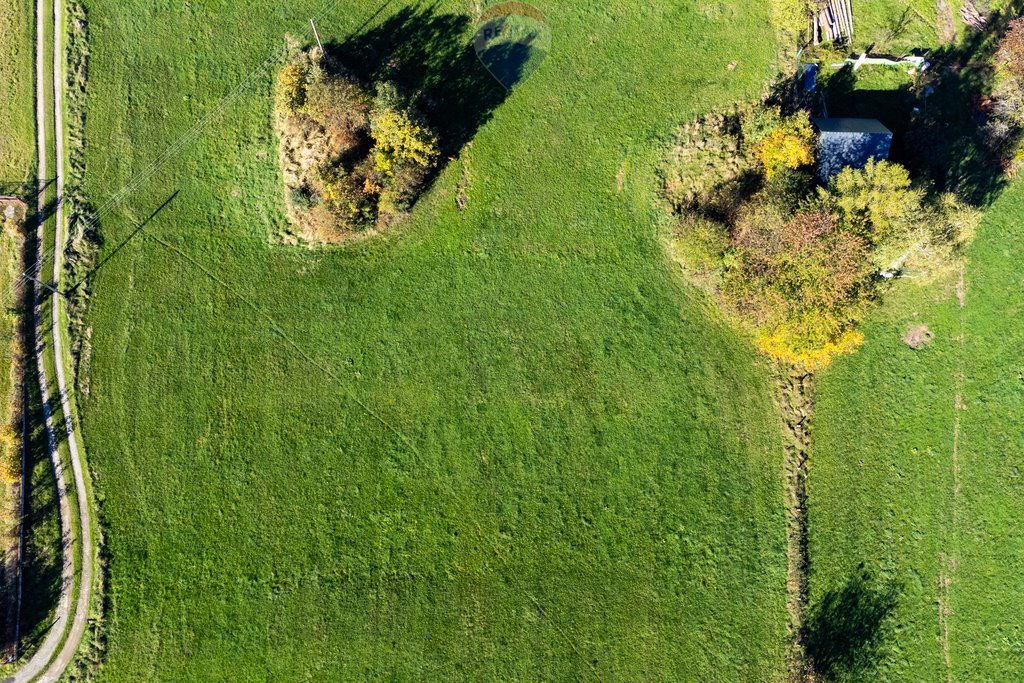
(43, 549)
(430, 55)
(843, 634)
(948, 141)
(91, 228)
(18, 188)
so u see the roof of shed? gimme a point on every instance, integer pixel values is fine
(844, 125)
(850, 143)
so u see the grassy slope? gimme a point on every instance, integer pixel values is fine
(903, 26)
(587, 492)
(987, 635)
(896, 25)
(881, 479)
(884, 489)
(883, 485)
(17, 142)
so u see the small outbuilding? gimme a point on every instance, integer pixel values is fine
(846, 142)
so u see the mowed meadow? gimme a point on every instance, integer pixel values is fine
(501, 442)
(916, 469)
(917, 466)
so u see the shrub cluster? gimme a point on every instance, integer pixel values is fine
(351, 162)
(715, 160)
(790, 144)
(796, 264)
(789, 17)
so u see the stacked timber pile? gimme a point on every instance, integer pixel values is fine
(833, 22)
(972, 17)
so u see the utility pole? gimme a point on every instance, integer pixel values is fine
(316, 35)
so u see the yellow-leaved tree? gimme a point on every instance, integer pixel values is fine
(789, 145)
(10, 461)
(400, 141)
(292, 82)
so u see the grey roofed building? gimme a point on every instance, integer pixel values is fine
(849, 142)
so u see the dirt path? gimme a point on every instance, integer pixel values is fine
(796, 402)
(40, 667)
(81, 618)
(947, 561)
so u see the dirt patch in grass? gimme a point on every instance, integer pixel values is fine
(918, 337)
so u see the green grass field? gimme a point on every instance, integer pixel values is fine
(915, 470)
(502, 443)
(17, 141)
(901, 26)
(904, 26)
(886, 491)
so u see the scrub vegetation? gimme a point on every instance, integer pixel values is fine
(12, 349)
(903, 562)
(17, 150)
(12, 367)
(352, 162)
(796, 265)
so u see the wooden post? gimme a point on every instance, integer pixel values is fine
(316, 35)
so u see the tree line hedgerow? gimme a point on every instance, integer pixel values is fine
(795, 263)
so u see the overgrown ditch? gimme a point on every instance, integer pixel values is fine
(795, 394)
(14, 334)
(83, 240)
(81, 252)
